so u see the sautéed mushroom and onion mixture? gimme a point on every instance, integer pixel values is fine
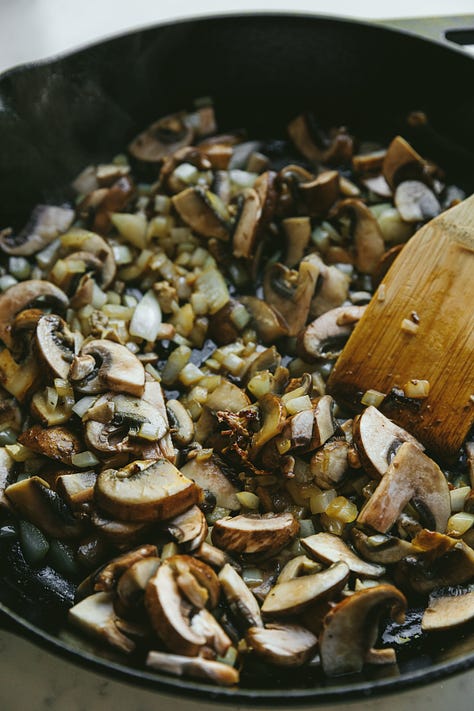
(168, 445)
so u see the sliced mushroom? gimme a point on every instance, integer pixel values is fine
(298, 234)
(119, 533)
(331, 549)
(189, 527)
(296, 567)
(300, 134)
(329, 465)
(95, 615)
(195, 667)
(7, 465)
(131, 586)
(326, 335)
(320, 194)
(273, 417)
(76, 488)
(284, 645)
(115, 368)
(78, 240)
(203, 211)
(206, 624)
(162, 138)
(290, 292)
(255, 534)
(227, 396)
(378, 439)
(332, 288)
(368, 239)
(38, 503)
(448, 608)
(381, 548)
(213, 556)
(24, 295)
(412, 476)
(294, 596)
(57, 443)
(350, 629)
(416, 202)
(145, 491)
(208, 475)
(47, 222)
(241, 600)
(268, 323)
(400, 160)
(246, 228)
(181, 424)
(55, 343)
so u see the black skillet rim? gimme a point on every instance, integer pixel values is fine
(187, 688)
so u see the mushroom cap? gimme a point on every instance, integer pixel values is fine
(209, 476)
(55, 343)
(448, 608)
(57, 443)
(203, 211)
(285, 645)
(350, 628)
(46, 223)
(325, 336)
(147, 490)
(117, 369)
(24, 295)
(261, 534)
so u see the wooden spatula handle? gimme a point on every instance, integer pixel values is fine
(430, 285)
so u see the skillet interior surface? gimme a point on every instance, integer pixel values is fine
(58, 116)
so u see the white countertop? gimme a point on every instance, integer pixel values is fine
(34, 29)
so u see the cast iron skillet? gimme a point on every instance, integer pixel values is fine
(58, 116)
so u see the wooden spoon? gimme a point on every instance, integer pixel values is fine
(420, 325)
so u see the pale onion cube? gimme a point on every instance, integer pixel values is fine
(298, 404)
(84, 404)
(248, 499)
(417, 388)
(372, 397)
(458, 497)
(186, 172)
(190, 374)
(133, 228)
(147, 318)
(83, 460)
(122, 254)
(319, 502)
(460, 523)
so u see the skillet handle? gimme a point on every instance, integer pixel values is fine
(455, 30)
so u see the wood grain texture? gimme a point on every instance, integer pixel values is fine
(433, 277)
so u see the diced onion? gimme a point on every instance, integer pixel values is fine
(417, 388)
(459, 523)
(19, 452)
(458, 497)
(372, 397)
(211, 283)
(252, 576)
(248, 499)
(84, 460)
(133, 228)
(320, 502)
(342, 509)
(175, 363)
(84, 404)
(146, 320)
(298, 404)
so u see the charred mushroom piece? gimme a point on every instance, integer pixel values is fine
(298, 234)
(326, 335)
(377, 440)
(24, 295)
(416, 202)
(241, 600)
(399, 160)
(208, 475)
(203, 211)
(162, 138)
(381, 548)
(350, 629)
(55, 343)
(368, 239)
(47, 222)
(290, 292)
(284, 645)
(412, 476)
(246, 228)
(331, 549)
(294, 596)
(116, 368)
(145, 491)
(95, 615)
(320, 194)
(194, 667)
(76, 488)
(448, 608)
(255, 534)
(57, 443)
(188, 528)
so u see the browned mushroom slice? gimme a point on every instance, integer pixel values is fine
(119, 533)
(169, 617)
(332, 288)
(320, 194)
(194, 667)
(350, 629)
(448, 608)
(268, 323)
(76, 488)
(240, 599)
(145, 491)
(368, 239)
(46, 223)
(181, 424)
(206, 624)
(6, 471)
(412, 476)
(325, 336)
(284, 645)
(273, 417)
(260, 534)
(189, 527)
(400, 159)
(381, 548)
(162, 138)
(298, 566)
(416, 202)
(369, 162)
(203, 211)
(78, 240)
(115, 368)
(331, 549)
(37, 502)
(95, 615)
(298, 234)
(24, 295)
(209, 476)
(213, 556)
(55, 343)
(377, 440)
(57, 443)
(294, 596)
(246, 228)
(300, 134)
(290, 292)
(131, 586)
(105, 579)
